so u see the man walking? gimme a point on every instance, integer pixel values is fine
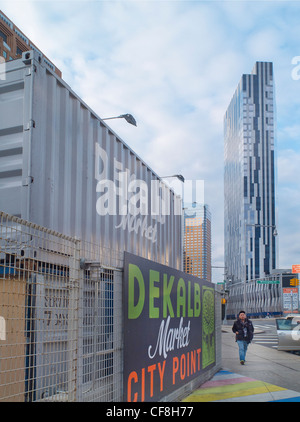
(243, 330)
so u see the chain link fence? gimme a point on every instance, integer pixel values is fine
(60, 316)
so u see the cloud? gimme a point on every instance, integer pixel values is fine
(175, 66)
(288, 168)
(288, 207)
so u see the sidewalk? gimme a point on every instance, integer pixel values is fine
(267, 376)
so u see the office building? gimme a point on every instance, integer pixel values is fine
(249, 177)
(13, 43)
(197, 241)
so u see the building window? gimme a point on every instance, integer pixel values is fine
(19, 51)
(5, 54)
(4, 36)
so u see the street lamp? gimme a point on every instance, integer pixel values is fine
(275, 233)
(128, 117)
(179, 176)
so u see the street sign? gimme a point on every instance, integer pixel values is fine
(290, 300)
(267, 281)
(296, 269)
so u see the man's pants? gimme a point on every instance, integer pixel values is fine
(243, 345)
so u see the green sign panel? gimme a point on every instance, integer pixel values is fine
(267, 281)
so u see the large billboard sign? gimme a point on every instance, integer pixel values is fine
(169, 329)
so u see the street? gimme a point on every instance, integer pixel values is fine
(268, 337)
(263, 362)
(265, 333)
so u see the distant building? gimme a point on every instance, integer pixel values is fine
(197, 241)
(249, 177)
(275, 294)
(13, 43)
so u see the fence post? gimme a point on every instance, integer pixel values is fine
(72, 342)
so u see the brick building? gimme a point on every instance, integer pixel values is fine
(13, 43)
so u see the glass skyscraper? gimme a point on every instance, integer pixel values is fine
(249, 177)
(197, 240)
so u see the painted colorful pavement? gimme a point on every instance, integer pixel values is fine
(227, 386)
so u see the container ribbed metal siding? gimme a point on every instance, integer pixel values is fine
(47, 164)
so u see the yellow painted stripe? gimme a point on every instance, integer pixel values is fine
(230, 391)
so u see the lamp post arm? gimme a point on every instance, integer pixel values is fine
(128, 117)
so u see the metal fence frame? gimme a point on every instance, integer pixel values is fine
(60, 316)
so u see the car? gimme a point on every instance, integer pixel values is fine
(288, 332)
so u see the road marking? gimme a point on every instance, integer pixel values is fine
(264, 326)
(265, 338)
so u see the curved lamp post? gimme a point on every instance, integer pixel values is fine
(179, 176)
(128, 117)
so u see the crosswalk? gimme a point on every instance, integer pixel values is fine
(268, 337)
(266, 340)
(265, 326)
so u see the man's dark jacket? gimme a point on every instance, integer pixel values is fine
(245, 331)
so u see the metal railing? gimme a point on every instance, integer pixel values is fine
(256, 299)
(60, 316)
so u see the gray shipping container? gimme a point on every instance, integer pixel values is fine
(63, 168)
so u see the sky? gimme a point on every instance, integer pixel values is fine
(174, 65)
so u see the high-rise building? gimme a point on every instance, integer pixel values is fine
(13, 43)
(249, 177)
(197, 241)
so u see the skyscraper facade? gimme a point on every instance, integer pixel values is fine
(249, 177)
(197, 241)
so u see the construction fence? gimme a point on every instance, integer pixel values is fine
(60, 317)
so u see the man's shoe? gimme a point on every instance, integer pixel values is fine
(242, 362)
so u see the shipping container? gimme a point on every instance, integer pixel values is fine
(64, 168)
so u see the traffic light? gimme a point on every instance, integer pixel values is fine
(294, 282)
(223, 302)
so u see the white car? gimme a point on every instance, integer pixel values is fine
(288, 332)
